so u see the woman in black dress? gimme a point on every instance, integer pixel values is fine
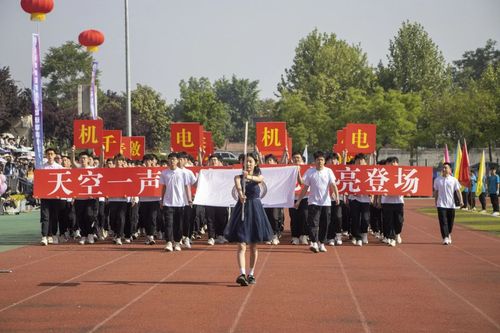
(254, 227)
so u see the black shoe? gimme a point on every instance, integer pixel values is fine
(251, 279)
(242, 280)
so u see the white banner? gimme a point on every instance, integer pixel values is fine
(215, 187)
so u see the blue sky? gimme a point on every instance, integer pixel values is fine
(254, 39)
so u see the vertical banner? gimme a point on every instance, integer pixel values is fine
(208, 145)
(137, 147)
(87, 133)
(186, 137)
(93, 99)
(112, 141)
(340, 145)
(360, 138)
(125, 147)
(271, 137)
(37, 106)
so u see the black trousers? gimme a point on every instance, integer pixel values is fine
(275, 217)
(446, 218)
(117, 217)
(102, 219)
(393, 216)
(148, 215)
(494, 201)
(216, 220)
(482, 200)
(375, 218)
(318, 220)
(187, 221)
(67, 217)
(131, 219)
(335, 220)
(173, 217)
(298, 219)
(346, 217)
(360, 218)
(49, 216)
(472, 200)
(199, 218)
(85, 215)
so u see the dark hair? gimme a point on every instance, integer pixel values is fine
(50, 149)
(270, 157)
(383, 162)
(173, 155)
(392, 159)
(359, 157)
(256, 170)
(334, 156)
(493, 167)
(241, 158)
(119, 157)
(217, 156)
(318, 154)
(83, 153)
(148, 157)
(448, 164)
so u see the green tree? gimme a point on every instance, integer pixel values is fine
(474, 63)
(14, 102)
(415, 62)
(242, 98)
(199, 103)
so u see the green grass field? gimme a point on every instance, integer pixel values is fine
(19, 230)
(473, 220)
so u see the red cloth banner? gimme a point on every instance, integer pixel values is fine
(141, 181)
(360, 138)
(186, 137)
(271, 137)
(87, 133)
(208, 145)
(137, 147)
(112, 142)
(125, 147)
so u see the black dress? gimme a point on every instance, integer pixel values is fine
(255, 227)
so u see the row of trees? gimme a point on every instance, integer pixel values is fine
(417, 99)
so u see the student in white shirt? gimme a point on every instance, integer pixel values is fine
(319, 181)
(445, 186)
(393, 212)
(189, 210)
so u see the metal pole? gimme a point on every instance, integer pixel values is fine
(127, 74)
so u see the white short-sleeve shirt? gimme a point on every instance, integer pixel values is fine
(190, 180)
(446, 187)
(175, 181)
(319, 186)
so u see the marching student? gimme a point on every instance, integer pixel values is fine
(175, 190)
(319, 181)
(274, 215)
(298, 216)
(50, 208)
(216, 216)
(359, 209)
(334, 235)
(149, 206)
(445, 187)
(189, 210)
(118, 207)
(253, 227)
(493, 189)
(393, 212)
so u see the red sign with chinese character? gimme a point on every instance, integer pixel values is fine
(112, 142)
(271, 138)
(137, 147)
(119, 182)
(87, 133)
(208, 144)
(360, 138)
(186, 137)
(125, 147)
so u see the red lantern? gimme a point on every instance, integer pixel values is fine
(37, 8)
(91, 39)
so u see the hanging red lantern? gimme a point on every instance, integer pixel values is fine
(37, 8)
(91, 39)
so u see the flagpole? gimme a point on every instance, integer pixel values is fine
(244, 166)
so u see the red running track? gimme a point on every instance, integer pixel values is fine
(418, 286)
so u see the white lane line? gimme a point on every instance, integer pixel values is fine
(362, 317)
(117, 312)
(62, 283)
(444, 284)
(245, 301)
(457, 247)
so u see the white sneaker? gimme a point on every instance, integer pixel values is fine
(483, 211)
(377, 235)
(354, 241)
(104, 234)
(391, 242)
(314, 247)
(495, 214)
(331, 242)
(398, 239)
(364, 238)
(295, 241)
(187, 243)
(449, 239)
(90, 239)
(82, 241)
(55, 240)
(359, 243)
(275, 240)
(211, 241)
(150, 240)
(66, 236)
(202, 230)
(127, 241)
(385, 240)
(304, 240)
(50, 240)
(44, 241)
(118, 241)
(177, 246)
(446, 241)
(169, 248)
(322, 247)
(338, 239)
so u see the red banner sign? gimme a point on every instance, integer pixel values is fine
(125, 147)
(112, 142)
(87, 133)
(271, 137)
(140, 181)
(137, 148)
(360, 138)
(186, 137)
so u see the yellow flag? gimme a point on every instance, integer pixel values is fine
(458, 161)
(480, 175)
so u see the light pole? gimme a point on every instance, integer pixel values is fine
(127, 74)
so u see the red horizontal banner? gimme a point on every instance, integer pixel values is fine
(141, 181)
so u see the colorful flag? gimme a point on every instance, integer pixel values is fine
(446, 154)
(37, 103)
(480, 175)
(93, 99)
(464, 173)
(458, 161)
(305, 154)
